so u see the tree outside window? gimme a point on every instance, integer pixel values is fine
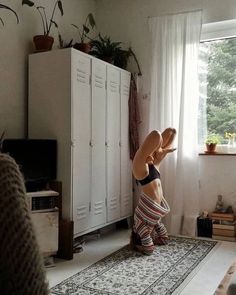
(217, 76)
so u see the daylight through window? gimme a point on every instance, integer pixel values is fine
(217, 103)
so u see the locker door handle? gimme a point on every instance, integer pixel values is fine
(91, 144)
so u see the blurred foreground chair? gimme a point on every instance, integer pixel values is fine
(228, 284)
(21, 264)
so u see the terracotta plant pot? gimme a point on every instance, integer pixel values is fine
(84, 47)
(211, 148)
(43, 42)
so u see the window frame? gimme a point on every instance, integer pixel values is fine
(215, 31)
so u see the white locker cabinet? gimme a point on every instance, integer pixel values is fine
(81, 116)
(98, 139)
(82, 102)
(125, 175)
(113, 143)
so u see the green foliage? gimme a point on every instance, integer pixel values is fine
(47, 23)
(213, 139)
(104, 47)
(221, 85)
(2, 6)
(122, 57)
(229, 135)
(63, 44)
(89, 22)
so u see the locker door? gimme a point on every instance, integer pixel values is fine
(113, 142)
(98, 171)
(126, 170)
(81, 134)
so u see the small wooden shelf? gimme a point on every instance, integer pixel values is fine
(45, 210)
(45, 193)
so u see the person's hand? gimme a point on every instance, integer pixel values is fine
(160, 154)
(169, 150)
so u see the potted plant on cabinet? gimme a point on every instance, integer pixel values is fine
(86, 27)
(122, 57)
(44, 42)
(211, 141)
(105, 49)
(2, 6)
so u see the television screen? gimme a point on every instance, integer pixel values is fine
(37, 159)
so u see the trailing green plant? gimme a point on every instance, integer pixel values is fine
(86, 27)
(2, 6)
(46, 22)
(213, 139)
(104, 48)
(122, 57)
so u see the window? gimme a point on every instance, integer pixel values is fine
(217, 82)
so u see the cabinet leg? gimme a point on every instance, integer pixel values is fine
(124, 223)
(65, 249)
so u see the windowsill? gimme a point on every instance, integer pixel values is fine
(217, 154)
(221, 150)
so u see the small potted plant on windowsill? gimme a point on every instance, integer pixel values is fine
(2, 6)
(83, 33)
(231, 137)
(44, 42)
(211, 142)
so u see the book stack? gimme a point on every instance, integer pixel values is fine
(223, 226)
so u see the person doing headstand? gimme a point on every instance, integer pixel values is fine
(148, 230)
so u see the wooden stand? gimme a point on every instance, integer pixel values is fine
(65, 249)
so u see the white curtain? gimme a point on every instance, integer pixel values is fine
(174, 103)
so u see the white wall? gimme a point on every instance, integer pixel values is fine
(16, 44)
(123, 20)
(127, 21)
(218, 177)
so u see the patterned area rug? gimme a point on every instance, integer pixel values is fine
(126, 272)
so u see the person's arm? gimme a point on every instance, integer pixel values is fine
(160, 155)
(168, 136)
(151, 143)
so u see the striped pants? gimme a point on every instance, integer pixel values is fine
(148, 228)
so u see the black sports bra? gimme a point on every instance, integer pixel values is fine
(153, 174)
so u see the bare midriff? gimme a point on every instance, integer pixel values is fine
(153, 190)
